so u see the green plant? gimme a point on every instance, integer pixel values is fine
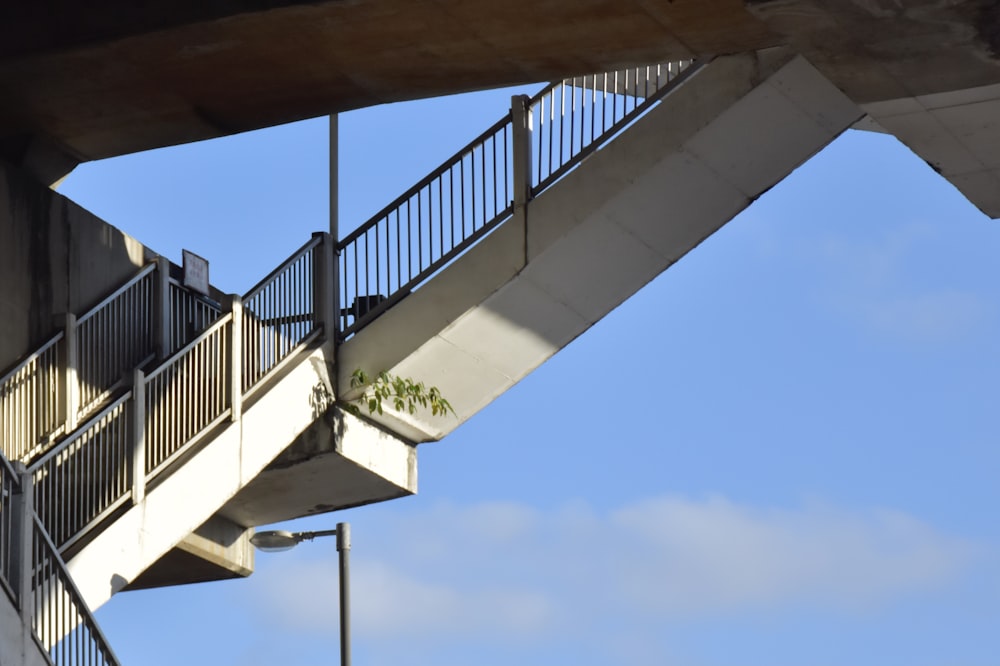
(404, 394)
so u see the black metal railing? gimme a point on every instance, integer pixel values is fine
(473, 192)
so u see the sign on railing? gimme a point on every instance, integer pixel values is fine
(74, 374)
(107, 462)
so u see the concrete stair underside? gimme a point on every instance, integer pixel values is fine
(632, 209)
(728, 134)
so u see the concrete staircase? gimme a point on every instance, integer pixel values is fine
(470, 280)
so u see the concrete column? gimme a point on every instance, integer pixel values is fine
(162, 305)
(138, 436)
(71, 379)
(234, 304)
(24, 533)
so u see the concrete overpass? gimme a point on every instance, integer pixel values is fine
(88, 82)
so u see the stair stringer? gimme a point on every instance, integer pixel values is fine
(730, 132)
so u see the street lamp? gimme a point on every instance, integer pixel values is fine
(273, 541)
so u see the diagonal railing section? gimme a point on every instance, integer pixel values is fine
(75, 374)
(61, 622)
(469, 195)
(572, 118)
(36, 580)
(187, 395)
(280, 313)
(190, 314)
(106, 464)
(86, 478)
(114, 337)
(30, 409)
(428, 225)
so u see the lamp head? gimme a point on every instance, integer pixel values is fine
(273, 541)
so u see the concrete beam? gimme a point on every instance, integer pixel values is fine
(957, 133)
(218, 550)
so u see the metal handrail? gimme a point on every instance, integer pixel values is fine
(33, 409)
(9, 486)
(460, 215)
(62, 624)
(30, 357)
(30, 404)
(310, 244)
(106, 444)
(555, 157)
(86, 477)
(279, 314)
(146, 270)
(367, 284)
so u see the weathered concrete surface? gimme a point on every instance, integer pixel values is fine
(111, 77)
(218, 550)
(89, 80)
(956, 133)
(16, 648)
(729, 133)
(232, 458)
(55, 257)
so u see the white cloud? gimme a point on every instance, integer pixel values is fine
(694, 558)
(887, 285)
(514, 574)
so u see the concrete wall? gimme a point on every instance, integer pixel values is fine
(55, 257)
(16, 649)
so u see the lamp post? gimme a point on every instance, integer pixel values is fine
(273, 541)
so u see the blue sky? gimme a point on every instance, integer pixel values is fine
(781, 451)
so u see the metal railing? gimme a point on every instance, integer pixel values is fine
(280, 313)
(109, 460)
(469, 195)
(9, 486)
(30, 409)
(187, 394)
(190, 314)
(75, 373)
(62, 624)
(430, 224)
(85, 478)
(572, 118)
(116, 335)
(35, 578)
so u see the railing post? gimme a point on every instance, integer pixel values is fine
(162, 305)
(71, 377)
(138, 436)
(520, 116)
(234, 304)
(324, 287)
(24, 533)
